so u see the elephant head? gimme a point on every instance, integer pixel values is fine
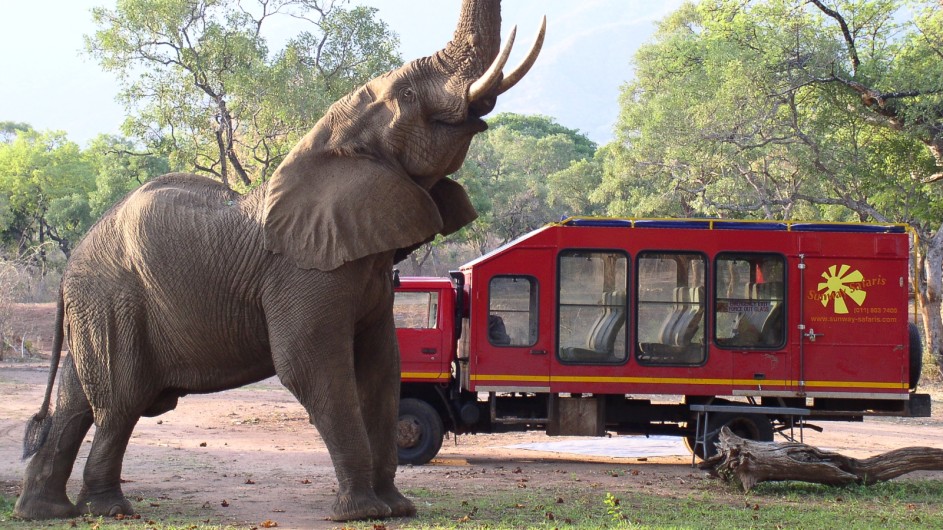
(371, 176)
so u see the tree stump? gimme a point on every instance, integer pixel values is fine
(751, 463)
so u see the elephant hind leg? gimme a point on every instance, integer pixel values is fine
(101, 490)
(44, 486)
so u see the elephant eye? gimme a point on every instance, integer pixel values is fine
(408, 94)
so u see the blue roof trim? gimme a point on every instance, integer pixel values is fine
(671, 223)
(611, 223)
(718, 224)
(740, 225)
(865, 229)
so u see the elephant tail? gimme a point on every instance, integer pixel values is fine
(38, 427)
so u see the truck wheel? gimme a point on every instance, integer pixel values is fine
(748, 426)
(916, 355)
(418, 432)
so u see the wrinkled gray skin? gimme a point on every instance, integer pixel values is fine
(186, 287)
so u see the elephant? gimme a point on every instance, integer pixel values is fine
(186, 287)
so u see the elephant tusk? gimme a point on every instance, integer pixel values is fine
(522, 69)
(487, 82)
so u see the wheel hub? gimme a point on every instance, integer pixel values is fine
(408, 432)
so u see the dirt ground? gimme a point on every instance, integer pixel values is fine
(248, 455)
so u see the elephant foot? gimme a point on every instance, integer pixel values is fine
(108, 504)
(32, 507)
(351, 508)
(400, 505)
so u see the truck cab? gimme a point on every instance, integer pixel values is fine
(427, 328)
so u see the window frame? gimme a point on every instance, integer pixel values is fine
(706, 320)
(627, 318)
(533, 311)
(783, 309)
(431, 311)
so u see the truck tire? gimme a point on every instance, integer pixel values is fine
(916, 355)
(418, 433)
(756, 427)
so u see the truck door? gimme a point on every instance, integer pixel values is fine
(751, 319)
(854, 339)
(513, 332)
(423, 333)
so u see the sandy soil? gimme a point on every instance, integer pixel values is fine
(249, 455)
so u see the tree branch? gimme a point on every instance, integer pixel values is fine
(849, 40)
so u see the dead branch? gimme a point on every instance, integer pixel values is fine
(750, 463)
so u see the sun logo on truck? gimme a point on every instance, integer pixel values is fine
(840, 283)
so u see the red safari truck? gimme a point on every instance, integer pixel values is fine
(677, 327)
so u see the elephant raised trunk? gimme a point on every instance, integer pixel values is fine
(474, 54)
(477, 36)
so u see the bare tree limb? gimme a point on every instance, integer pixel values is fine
(849, 39)
(750, 463)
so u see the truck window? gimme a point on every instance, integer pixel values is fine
(750, 293)
(593, 307)
(512, 311)
(671, 308)
(416, 310)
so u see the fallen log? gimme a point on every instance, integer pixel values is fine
(750, 463)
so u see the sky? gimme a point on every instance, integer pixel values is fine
(49, 82)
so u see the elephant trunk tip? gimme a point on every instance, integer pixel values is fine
(37, 430)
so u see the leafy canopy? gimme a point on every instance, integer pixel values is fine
(520, 177)
(784, 108)
(202, 86)
(51, 191)
(45, 182)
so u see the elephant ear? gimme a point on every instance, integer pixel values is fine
(454, 205)
(341, 209)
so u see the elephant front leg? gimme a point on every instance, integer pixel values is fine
(329, 394)
(44, 486)
(378, 384)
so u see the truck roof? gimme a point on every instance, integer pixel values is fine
(697, 224)
(422, 282)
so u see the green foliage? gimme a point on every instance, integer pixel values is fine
(119, 168)
(765, 109)
(9, 130)
(46, 181)
(614, 507)
(51, 191)
(537, 126)
(203, 88)
(524, 172)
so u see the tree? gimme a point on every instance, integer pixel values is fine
(46, 182)
(119, 169)
(790, 109)
(51, 192)
(202, 87)
(9, 130)
(516, 174)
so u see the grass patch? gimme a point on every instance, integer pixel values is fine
(902, 504)
(907, 504)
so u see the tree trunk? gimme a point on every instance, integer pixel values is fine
(750, 463)
(929, 288)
